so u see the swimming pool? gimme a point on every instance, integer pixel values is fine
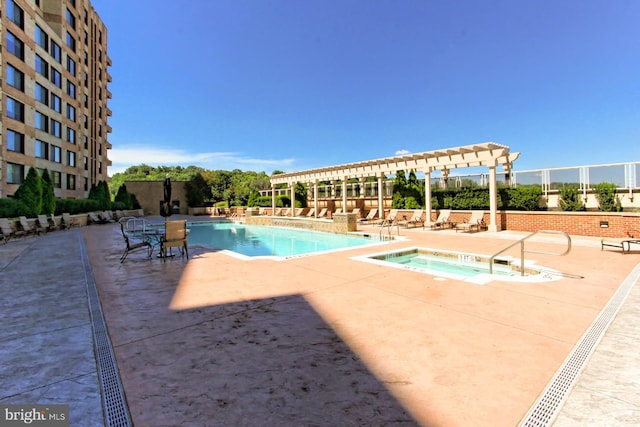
(260, 241)
(472, 268)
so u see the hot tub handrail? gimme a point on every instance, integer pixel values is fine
(522, 250)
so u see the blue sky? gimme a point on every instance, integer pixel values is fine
(297, 84)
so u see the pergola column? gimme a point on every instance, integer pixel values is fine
(273, 199)
(344, 194)
(380, 196)
(293, 198)
(315, 199)
(427, 193)
(493, 199)
(363, 180)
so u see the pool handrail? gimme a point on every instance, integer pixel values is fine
(522, 250)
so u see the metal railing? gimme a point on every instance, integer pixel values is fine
(522, 249)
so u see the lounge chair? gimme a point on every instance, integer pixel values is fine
(311, 212)
(391, 219)
(68, 222)
(133, 245)
(633, 237)
(106, 216)
(45, 224)
(474, 223)
(175, 235)
(322, 213)
(28, 228)
(95, 218)
(277, 212)
(285, 212)
(415, 220)
(298, 211)
(356, 211)
(442, 221)
(371, 216)
(7, 231)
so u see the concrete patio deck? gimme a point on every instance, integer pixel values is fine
(323, 340)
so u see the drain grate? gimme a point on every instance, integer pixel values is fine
(548, 405)
(114, 404)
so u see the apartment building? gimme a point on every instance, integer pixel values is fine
(54, 110)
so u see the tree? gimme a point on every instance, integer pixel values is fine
(123, 196)
(48, 195)
(29, 194)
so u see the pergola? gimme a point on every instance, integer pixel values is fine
(487, 154)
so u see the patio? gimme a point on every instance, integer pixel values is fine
(323, 340)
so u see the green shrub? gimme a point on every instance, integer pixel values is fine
(607, 197)
(8, 208)
(520, 198)
(571, 199)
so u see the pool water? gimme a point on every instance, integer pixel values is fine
(255, 240)
(459, 266)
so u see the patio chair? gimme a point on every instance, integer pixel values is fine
(68, 222)
(175, 235)
(131, 246)
(371, 216)
(633, 237)
(443, 220)
(415, 220)
(474, 223)
(28, 228)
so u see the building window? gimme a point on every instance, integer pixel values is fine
(86, 80)
(15, 109)
(56, 154)
(71, 182)
(41, 122)
(71, 112)
(99, 167)
(41, 66)
(56, 128)
(86, 163)
(86, 101)
(71, 20)
(42, 94)
(86, 122)
(42, 39)
(71, 42)
(71, 158)
(86, 184)
(100, 130)
(56, 103)
(56, 77)
(15, 141)
(15, 77)
(56, 52)
(71, 135)
(86, 58)
(15, 45)
(86, 142)
(15, 14)
(15, 173)
(71, 89)
(56, 177)
(86, 38)
(42, 149)
(71, 66)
